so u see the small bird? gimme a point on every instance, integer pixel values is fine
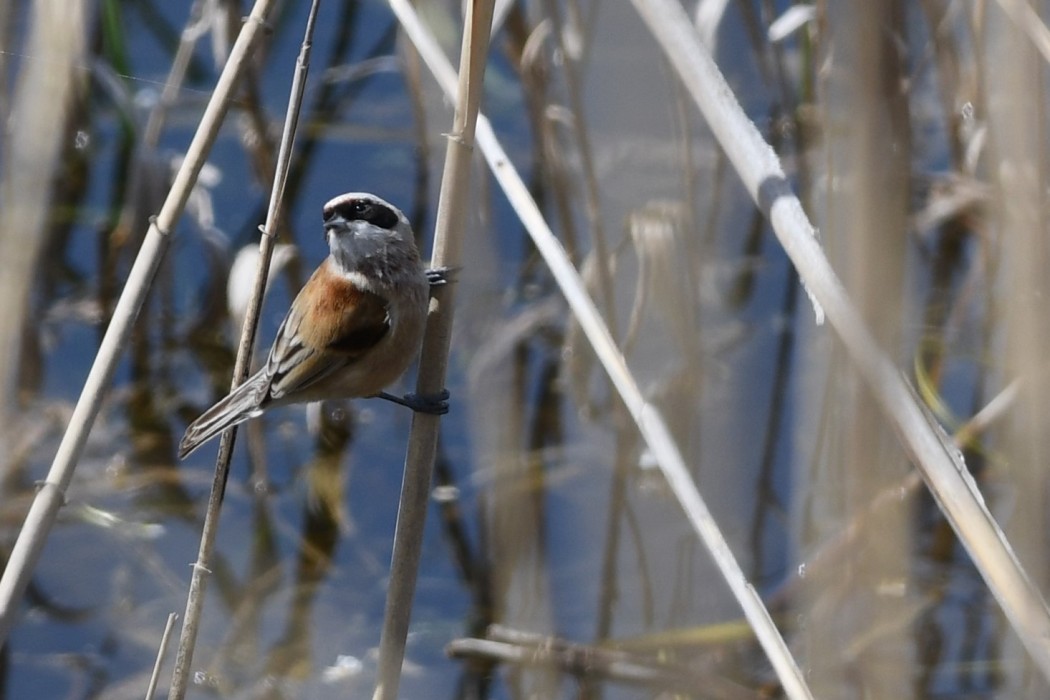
(352, 329)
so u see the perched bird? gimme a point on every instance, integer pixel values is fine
(352, 329)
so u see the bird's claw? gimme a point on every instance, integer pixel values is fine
(432, 404)
(438, 276)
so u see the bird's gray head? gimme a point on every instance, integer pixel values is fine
(368, 234)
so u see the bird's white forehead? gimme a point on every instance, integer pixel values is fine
(350, 196)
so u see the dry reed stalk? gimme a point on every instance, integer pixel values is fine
(7, 15)
(1019, 171)
(867, 151)
(40, 110)
(648, 419)
(158, 116)
(1027, 20)
(195, 598)
(923, 439)
(162, 650)
(587, 662)
(422, 446)
(51, 492)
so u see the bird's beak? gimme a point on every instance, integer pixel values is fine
(330, 225)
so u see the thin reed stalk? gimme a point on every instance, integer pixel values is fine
(158, 116)
(647, 417)
(180, 64)
(162, 651)
(422, 443)
(195, 598)
(51, 492)
(926, 444)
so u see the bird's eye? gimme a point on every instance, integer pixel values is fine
(362, 209)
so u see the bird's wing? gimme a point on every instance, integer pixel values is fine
(347, 323)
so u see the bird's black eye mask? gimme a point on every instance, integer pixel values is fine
(373, 212)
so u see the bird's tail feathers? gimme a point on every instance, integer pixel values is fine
(239, 406)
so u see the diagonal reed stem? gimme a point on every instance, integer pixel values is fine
(51, 492)
(928, 447)
(650, 422)
(195, 598)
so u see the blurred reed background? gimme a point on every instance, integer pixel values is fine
(913, 132)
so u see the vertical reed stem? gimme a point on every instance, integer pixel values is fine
(422, 446)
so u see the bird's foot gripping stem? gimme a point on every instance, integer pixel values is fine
(433, 404)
